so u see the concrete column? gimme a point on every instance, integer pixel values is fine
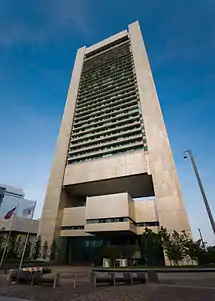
(56, 198)
(169, 202)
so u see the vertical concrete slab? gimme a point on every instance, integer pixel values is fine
(169, 202)
(56, 197)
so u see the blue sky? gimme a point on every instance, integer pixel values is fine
(38, 42)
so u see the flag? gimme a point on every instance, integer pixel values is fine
(10, 213)
(28, 211)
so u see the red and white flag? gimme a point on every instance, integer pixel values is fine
(10, 213)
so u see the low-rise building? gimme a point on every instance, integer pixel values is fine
(20, 222)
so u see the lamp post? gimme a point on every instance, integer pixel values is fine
(189, 152)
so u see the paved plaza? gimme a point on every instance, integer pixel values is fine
(3, 298)
(174, 287)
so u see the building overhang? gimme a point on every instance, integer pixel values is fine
(136, 185)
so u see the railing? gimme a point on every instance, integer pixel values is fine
(157, 270)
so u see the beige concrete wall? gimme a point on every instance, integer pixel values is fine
(131, 207)
(109, 227)
(74, 233)
(145, 211)
(106, 168)
(74, 216)
(105, 206)
(115, 205)
(133, 228)
(55, 197)
(78, 215)
(166, 184)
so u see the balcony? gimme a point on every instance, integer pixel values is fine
(109, 213)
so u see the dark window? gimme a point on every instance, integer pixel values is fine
(108, 220)
(80, 227)
(148, 224)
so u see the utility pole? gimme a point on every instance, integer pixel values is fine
(210, 216)
(201, 237)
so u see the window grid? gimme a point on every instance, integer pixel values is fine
(108, 119)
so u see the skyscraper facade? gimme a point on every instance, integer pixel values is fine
(113, 173)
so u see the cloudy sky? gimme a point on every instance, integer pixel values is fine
(38, 42)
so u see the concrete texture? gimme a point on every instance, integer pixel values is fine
(56, 199)
(168, 196)
(112, 167)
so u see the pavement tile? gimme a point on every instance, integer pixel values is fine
(173, 290)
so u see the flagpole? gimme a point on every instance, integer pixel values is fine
(8, 237)
(26, 240)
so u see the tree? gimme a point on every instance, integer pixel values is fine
(11, 249)
(192, 249)
(28, 249)
(211, 254)
(177, 247)
(173, 245)
(45, 250)
(18, 246)
(37, 248)
(166, 243)
(2, 241)
(151, 248)
(180, 245)
(54, 250)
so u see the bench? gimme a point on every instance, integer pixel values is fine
(32, 277)
(112, 278)
(19, 276)
(102, 278)
(39, 279)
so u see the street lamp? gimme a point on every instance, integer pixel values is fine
(189, 152)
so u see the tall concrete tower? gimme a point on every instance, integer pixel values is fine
(112, 149)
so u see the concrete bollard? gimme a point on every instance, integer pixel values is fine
(74, 280)
(114, 279)
(152, 277)
(9, 278)
(56, 280)
(93, 279)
